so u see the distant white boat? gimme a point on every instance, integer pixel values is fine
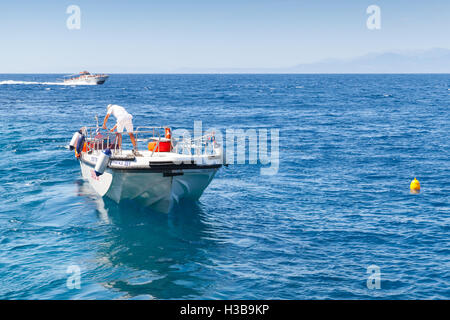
(85, 77)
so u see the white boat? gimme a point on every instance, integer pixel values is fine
(85, 78)
(159, 177)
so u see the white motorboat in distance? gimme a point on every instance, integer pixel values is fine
(159, 177)
(85, 78)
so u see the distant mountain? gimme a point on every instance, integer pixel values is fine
(430, 61)
(425, 61)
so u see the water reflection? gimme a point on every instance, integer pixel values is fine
(162, 256)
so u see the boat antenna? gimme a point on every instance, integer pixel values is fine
(96, 119)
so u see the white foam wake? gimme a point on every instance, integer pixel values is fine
(46, 83)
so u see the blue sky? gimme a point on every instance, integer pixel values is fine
(163, 36)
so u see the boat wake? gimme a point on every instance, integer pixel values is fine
(5, 82)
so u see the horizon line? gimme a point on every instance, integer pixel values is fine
(240, 73)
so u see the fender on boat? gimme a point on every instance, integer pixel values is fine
(102, 162)
(75, 137)
(80, 144)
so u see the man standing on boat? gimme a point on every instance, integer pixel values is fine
(123, 121)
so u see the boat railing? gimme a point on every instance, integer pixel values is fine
(148, 133)
(98, 138)
(205, 144)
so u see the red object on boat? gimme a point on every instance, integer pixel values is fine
(164, 146)
(168, 133)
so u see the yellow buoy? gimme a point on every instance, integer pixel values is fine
(415, 186)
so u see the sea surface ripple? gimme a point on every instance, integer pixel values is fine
(349, 147)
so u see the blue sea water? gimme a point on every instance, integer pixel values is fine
(349, 147)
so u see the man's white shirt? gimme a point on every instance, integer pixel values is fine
(119, 113)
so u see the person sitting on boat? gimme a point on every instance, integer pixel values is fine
(123, 121)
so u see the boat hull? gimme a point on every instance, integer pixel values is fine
(159, 190)
(87, 80)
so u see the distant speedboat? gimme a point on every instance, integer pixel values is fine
(85, 77)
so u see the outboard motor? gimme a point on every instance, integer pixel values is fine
(102, 162)
(75, 137)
